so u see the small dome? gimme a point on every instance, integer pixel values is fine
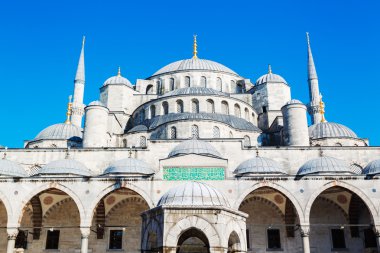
(194, 146)
(64, 167)
(259, 165)
(294, 101)
(330, 130)
(373, 168)
(129, 166)
(193, 194)
(325, 165)
(12, 169)
(195, 91)
(96, 102)
(194, 64)
(61, 131)
(270, 78)
(118, 79)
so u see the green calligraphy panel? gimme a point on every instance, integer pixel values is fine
(192, 173)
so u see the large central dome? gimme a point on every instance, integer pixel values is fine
(194, 64)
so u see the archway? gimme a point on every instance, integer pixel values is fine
(272, 220)
(233, 243)
(3, 225)
(193, 241)
(341, 218)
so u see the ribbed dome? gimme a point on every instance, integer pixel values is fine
(270, 78)
(194, 146)
(61, 131)
(330, 130)
(12, 169)
(194, 64)
(325, 165)
(96, 102)
(193, 194)
(129, 166)
(259, 165)
(195, 91)
(118, 80)
(373, 168)
(64, 167)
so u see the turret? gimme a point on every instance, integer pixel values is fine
(312, 80)
(295, 131)
(96, 125)
(78, 106)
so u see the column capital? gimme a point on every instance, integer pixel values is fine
(12, 233)
(85, 232)
(304, 230)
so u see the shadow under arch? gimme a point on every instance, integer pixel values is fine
(8, 209)
(193, 239)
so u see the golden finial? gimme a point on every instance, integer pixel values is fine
(195, 46)
(322, 108)
(68, 113)
(118, 71)
(269, 69)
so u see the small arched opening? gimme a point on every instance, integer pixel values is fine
(234, 243)
(193, 241)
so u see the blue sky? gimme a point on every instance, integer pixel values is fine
(40, 43)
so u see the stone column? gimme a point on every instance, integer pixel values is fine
(85, 231)
(305, 231)
(12, 234)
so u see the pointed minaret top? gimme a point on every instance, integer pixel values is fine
(195, 47)
(269, 69)
(118, 71)
(80, 76)
(311, 71)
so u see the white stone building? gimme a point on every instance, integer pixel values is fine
(194, 158)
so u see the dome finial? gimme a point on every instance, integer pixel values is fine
(195, 47)
(118, 71)
(68, 113)
(322, 108)
(269, 69)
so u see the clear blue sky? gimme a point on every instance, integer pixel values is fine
(40, 43)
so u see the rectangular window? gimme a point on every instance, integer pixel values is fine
(274, 240)
(338, 240)
(369, 238)
(116, 239)
(52, 239)
(248, 239)
(22, 239)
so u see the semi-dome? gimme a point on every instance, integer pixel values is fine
(259, 165)
(64, 167)
(129, 166)
(270, 78)
(12, 169)
(330, 130)
(373, 168)
(195, 91)
(325, 165)
(61, 131)
(194, 146)
(194, 64)
(193, 194)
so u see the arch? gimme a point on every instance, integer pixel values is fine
(142, 141)
(52, 208)
(233, 227)
(246, 114)
(210, 106)
(276, 187)
(7, 206)
(187, 81)
(265, 201)
(179, 106)
(194, 106)
(165, 108)
(237, 110)
(194, 132)
(149, 89)
(203, 81)
(215, 132)
(174, 233)
(225, 109)
(239, 88)
(218, 84)
(371, 207)
(152, 110)
(198, 235)
(234, 244)
(173, 132)
(159, 86)
(171, 84)
(247, 141)
(127, 200)
(233, 86)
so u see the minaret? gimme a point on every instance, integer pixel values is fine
(78, 106)
(312, 79)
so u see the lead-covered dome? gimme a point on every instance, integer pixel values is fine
(12, 169)
(194, 64)
(129, 166)
(259, 165)
(194, 146)
(193, 194)
(330, 130)
(64, 167)
(373, 168)
(118, 79)
(61, 131)
(270, 78)
(325, 165)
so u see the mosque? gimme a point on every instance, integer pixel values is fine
(193, 159)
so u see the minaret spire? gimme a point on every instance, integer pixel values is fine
(195, 47)
(312, 79)
(77, 105)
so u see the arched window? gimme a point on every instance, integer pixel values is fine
(233, 86)
(165, 108)
(179, 106)
(159, 87)
(194, 106)
(152, 111)
(187, 81)
(143, 141)
(247, 141)
(338, 144)
(225, 109)
(173, 133)
(246, 114)
(125, 143)
(237, 110)
(215, 132)
(203, 81)
(149, 89)
(194, 132)
(218, 84)
(210, 106)
(239, 88)
(171, 83)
